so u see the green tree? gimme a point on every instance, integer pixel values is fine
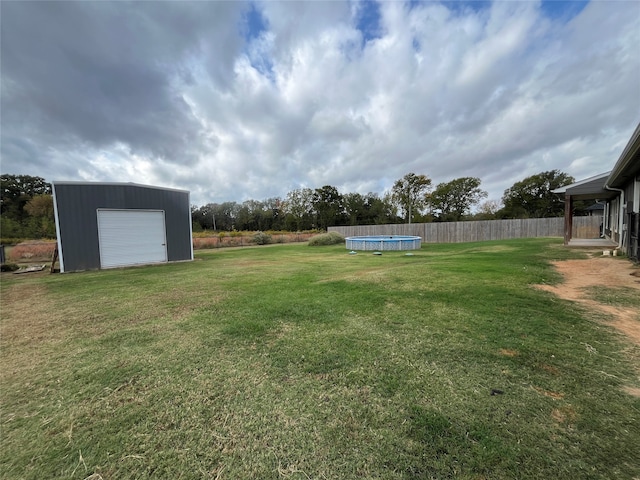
(298, 207)
(408, 193)
(197, 218)
(452, 200)
(9, 228)
(487, 210)
(41, 221)
(16, 191)
(250, 216)
(203, 216)
(40, 206)
(389, 210)
(328, 205)
(355, 208)
(226, 215)
(273, 214)
(533, 197)
(216, 216)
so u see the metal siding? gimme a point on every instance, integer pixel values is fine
(78, 229)
(628, 195)
(58, 236)
(78, 226)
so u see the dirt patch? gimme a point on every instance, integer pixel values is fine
(550, 369)
(632, 391)
(580, 275)
(549, 393)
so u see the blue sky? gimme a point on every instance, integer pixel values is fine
(250, 100)
(367, 19)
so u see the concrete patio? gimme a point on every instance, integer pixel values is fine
(603, 243)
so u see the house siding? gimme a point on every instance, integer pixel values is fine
(632, 218)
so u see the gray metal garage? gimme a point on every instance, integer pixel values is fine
(108, 225)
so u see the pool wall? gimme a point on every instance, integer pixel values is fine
(383, 242)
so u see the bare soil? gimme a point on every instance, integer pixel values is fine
(580, 276)
(600, 271)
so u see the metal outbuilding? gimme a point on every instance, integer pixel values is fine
(108, 225)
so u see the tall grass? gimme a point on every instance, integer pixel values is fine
(207, 240)
(32, 250)
(291, 362)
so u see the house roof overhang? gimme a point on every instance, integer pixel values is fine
(597, 187)
(628, 165)
(592, 188)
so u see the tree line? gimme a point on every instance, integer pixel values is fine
(410, 200)
(26, 205)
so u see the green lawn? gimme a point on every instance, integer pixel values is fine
(302, 362)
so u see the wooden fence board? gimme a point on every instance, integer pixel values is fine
(483, 230)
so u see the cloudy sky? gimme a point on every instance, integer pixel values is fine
(237, 101)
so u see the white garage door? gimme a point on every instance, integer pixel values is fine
(131, 237)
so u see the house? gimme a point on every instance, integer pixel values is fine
(108, 225)
(619, 191)
(595, 210)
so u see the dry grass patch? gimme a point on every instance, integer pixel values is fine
(549, 393)
(32, 251)
(564, 415)
(32, 322)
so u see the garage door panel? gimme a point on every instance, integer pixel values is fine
(131, 237)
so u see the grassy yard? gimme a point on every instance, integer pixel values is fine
(296, 362)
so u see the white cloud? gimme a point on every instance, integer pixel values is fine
(498, 93)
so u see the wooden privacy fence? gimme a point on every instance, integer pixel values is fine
(482, 230)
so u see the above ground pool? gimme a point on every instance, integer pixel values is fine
(383, 242)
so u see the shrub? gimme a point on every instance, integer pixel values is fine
(261, 238)
(11, 240)
(331, 238)
(202, 234)
(8, 267)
